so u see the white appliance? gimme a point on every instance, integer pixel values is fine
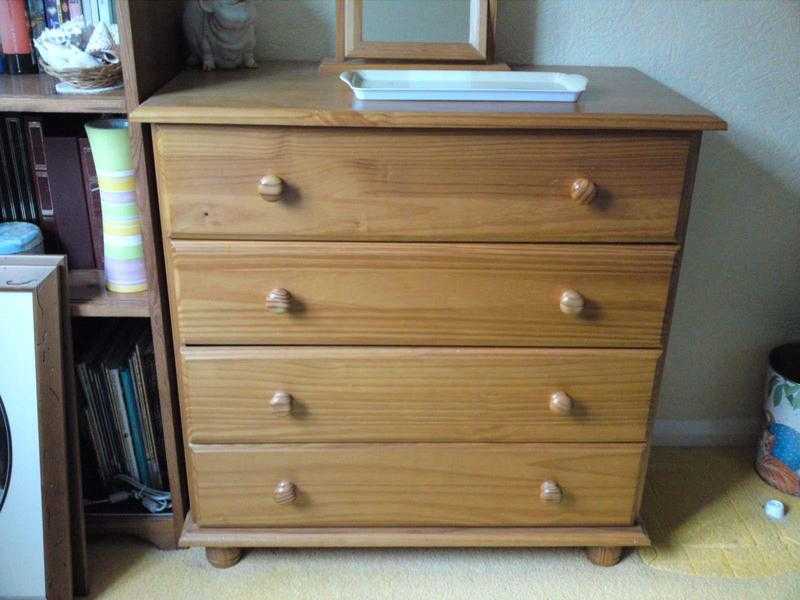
(34, 500)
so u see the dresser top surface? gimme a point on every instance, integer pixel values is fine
(296, 94)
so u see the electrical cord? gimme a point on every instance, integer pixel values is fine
(153, 500)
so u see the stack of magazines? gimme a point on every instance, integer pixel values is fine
(119, 407)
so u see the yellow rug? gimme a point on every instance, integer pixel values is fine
(705, 516)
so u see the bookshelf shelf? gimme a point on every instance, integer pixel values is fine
(36, 93)
(156, 529)
(90, 298)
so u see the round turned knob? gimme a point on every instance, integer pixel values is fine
(550, 492)
(571, 302)
(560, 403)
(279, 301)
(583, 191)
(281, 403)
(270, 187)
(285, 492)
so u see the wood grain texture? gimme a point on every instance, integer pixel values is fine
(604, 556)
(330, 66)
(295, 94)
(351, 184)
(223, 558)
(37, 94)
(77, 521)
(148, 34)
(419, 294)
(414, 484)
(158, 529)
(411, 537)
(151, 56)
(414, 394)
(53, 436)
(89, 297)
(159, 321)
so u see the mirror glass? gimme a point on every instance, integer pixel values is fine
(442, 21)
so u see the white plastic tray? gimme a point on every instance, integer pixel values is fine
(502, 86)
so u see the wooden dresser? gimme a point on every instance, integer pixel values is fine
(418, 324)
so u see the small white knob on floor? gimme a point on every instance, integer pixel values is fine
(775, 509)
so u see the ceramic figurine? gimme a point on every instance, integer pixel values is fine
(220, 33)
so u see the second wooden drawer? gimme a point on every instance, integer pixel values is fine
(323, 394)
(419, 294)
(414, 484)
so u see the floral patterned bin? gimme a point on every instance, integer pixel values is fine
(778, 460)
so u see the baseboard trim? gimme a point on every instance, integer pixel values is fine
(706, 432)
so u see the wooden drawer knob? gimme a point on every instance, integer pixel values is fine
(285, 492)
(571, 302)
(270, 187)
(550, 492)
(583, 191)
(279, 301)
(281, 403)
(560, 403)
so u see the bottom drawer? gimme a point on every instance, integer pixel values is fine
(414, 484)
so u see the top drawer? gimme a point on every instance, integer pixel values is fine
(414, 185)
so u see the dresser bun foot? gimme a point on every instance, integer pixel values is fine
(604, 556)
(223, 558)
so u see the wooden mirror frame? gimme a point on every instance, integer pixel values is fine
(355, 46)
(478, 54)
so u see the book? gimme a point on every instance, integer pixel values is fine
(36, 17)
(93, 202)
(122, 425)
(41, 185)
(151, 383)
(75, 9)
(134, 423)
(118, 399)
(91, 11)
(106, 11)
(145, 397)
(54, 15)
(69, 203)
(91, 343)
(19, 164)
(15, 36)
(7, 204)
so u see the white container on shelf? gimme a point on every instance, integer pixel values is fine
(492, 86)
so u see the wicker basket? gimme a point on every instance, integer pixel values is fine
(87, 79)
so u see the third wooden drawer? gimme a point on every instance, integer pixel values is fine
(419, 294)
(327, 394)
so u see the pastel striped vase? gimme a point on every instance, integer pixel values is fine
(122, 228)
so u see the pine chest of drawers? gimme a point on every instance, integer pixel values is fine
(418, 324)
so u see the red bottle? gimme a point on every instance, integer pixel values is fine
(15, 35)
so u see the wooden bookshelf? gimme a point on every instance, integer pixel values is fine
(150, 41)
(37, 94)
(154, 528)
(89, 297)
(150, 34)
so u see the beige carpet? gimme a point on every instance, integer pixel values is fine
(132, 570)
(713, 523)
